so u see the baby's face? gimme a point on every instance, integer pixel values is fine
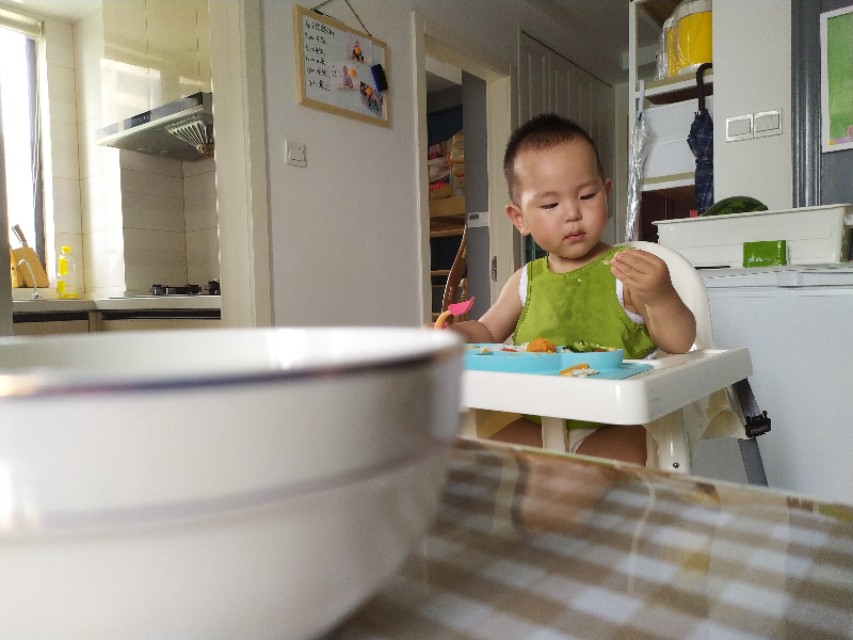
(561, 199)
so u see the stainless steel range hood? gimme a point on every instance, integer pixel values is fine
(182, 130)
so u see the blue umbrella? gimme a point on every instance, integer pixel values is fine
(701, 141)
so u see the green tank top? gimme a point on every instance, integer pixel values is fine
(579, 305)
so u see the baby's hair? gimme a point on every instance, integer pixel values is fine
(543, 132)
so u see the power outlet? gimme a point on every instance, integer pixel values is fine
(295, 153)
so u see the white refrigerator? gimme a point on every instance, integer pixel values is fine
(797, 323)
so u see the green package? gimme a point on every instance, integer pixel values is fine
(766, 253)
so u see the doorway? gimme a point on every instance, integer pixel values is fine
(487, 116)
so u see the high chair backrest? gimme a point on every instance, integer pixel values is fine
(688, 283)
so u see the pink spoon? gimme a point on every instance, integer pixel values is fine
(455, 309)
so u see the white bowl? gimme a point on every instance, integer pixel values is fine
(256, 483)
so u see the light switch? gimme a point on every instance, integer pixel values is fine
(739, 128)
(768, 123)
(295, 153)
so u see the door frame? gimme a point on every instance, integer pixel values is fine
(501, 117)
(241, 159)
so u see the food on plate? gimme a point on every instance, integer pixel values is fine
(581, 370)
(582, 346)
(541, 345)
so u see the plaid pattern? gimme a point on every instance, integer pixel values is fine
(540, 547)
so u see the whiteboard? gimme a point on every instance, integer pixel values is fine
(335, 68)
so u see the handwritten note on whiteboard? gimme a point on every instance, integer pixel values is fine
(334, 68)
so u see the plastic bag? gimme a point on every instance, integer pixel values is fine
(640, 142)
(666, 52)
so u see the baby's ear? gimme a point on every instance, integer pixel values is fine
(517, 219)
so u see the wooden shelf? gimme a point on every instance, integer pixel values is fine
(443, 207)
(678, 89)
(658, 10)
(447, 217)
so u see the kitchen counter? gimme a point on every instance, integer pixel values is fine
(130, 303)
(529, 544)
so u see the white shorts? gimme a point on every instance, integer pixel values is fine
(576, 436)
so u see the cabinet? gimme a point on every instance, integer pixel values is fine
(51, 324)
(668, 104)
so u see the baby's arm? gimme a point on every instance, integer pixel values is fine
(498, 323)
(649, 292)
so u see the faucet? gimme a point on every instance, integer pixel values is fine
(36, 294)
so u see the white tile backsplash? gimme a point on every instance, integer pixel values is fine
(101, 199)
(60, 51)
(152, 201)
(66, 205)
(88, 93)
(153, 256)
(147, 163)
(200, 201)
(202, 256)
(89, 38)
(63, 150)
(138, 219)
(103, 256)
(63, 93)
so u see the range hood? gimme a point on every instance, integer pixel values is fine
(182, 130)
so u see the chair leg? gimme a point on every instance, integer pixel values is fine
(554, 436)
(670, 436)
(752, 464)
(468, 425)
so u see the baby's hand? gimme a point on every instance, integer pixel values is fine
(644, 274)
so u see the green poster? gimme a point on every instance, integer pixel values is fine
(837, 79)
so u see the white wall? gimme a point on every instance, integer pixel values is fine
(752, 73)
(344, 231)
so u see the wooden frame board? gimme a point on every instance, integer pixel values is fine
(334, 68)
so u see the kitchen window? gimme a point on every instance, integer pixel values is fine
(21, 149)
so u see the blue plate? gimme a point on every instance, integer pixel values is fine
(490, 357)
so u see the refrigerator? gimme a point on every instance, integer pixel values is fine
(797, 322)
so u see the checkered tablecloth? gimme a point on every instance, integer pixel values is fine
(534, 546)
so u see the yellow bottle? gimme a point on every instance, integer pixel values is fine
(67, 275)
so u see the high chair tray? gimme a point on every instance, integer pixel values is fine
(672, 382)
(501, 357)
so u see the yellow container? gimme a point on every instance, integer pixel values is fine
(693, 35)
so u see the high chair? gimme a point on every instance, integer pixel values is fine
(672, 439)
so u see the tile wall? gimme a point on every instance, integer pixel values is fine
(135, 219)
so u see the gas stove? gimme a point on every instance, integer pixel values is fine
(184, 290)
(169, 290)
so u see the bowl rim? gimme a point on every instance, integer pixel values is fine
(46, 382)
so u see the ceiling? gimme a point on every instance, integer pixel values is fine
(604, 24)
(70, 10)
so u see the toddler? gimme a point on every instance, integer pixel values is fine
(583, 289)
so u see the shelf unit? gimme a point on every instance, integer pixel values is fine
(447, 216)
(669, 91)
(447, 225)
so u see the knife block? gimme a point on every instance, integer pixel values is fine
(21, 277)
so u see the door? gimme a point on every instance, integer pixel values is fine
(490, 80)
(549, 83)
